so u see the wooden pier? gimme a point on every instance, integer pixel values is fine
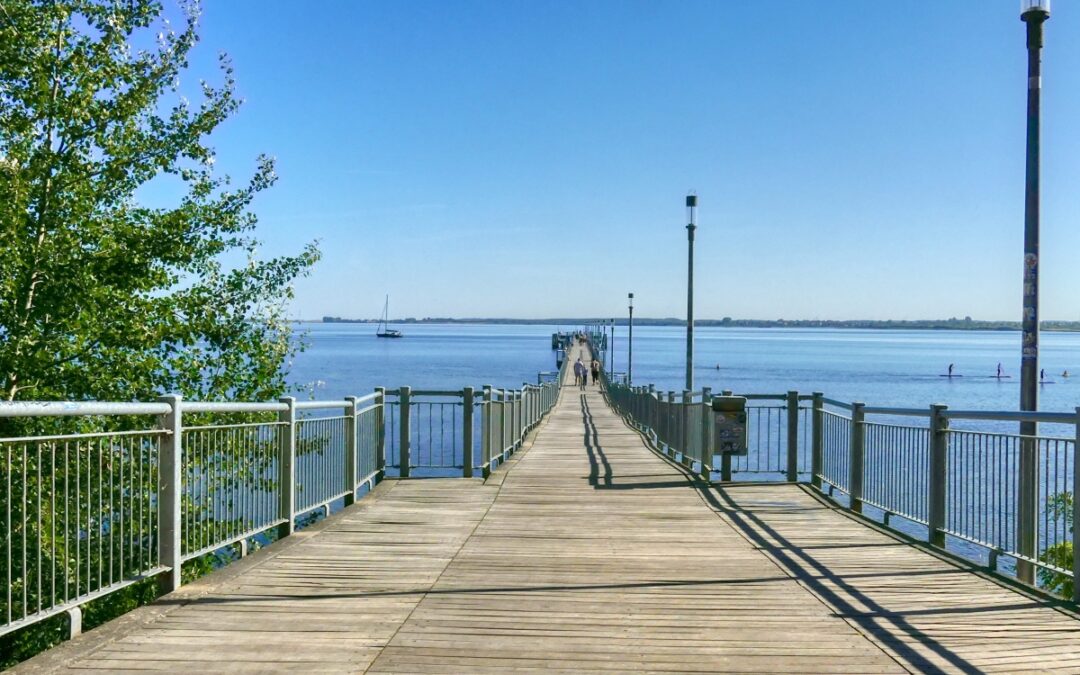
(587, 552)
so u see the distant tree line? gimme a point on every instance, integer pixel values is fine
(967, 323)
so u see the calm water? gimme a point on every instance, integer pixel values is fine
(893, 368)
(884, 368)
(347, 359)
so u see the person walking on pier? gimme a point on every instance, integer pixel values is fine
(580, 374)
(595, 371)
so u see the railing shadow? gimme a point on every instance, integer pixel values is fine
(593, 447)
(824, 582)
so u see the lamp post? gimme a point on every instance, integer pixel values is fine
(612, 369)
(1033, 13)
(691, 216)
(606, 345)
(630, 347)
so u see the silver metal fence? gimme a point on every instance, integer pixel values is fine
(1005, 494)
(835, 455)
(435, 432)
(97, 496)
(80, 509)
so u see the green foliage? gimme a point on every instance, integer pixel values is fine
(103, 297)
(1061, 554)
(100, 296)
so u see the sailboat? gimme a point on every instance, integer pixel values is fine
(385, 331)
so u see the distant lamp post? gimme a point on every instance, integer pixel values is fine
(612, 368)
(630, 346)
(1033, 13)
(691, 219)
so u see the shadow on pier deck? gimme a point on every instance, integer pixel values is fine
(587, 552)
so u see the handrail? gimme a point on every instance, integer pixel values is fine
(233, 407)
(899, 412)
(78, 408)
(1012, 416)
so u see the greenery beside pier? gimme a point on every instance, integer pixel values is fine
(103, 297)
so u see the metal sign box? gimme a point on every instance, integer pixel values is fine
(729, 425)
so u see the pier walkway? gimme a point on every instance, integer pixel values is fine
(587, 552)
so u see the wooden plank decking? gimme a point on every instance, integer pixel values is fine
(586, 553)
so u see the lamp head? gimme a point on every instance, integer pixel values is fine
(1030, 9)
(691, 208)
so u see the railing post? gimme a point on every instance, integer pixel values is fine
(793, 436)
(405, 428)
(467, 432)
(351, 447)
(857, 452)
(684, 427)
(725, 459)
(937, 481)
(287, 467)
(817, 448)
(706, 434)
(1027, 504)
(651, 415)
(170, 461)
(486, 421)
(669, 425)
(380, 432)
(500, 449)
(1076, 509)
(515, 419)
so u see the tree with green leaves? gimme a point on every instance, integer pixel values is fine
(101, 297)
(106, 298)
(1059, 555)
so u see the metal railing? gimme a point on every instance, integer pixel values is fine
(98, 496)
(973, 486)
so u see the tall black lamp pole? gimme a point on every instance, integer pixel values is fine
(1033, 13)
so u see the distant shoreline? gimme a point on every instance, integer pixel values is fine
(890, 324)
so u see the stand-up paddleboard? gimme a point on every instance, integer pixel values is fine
(950, 376)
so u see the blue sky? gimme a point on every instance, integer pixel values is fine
(530, 159)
